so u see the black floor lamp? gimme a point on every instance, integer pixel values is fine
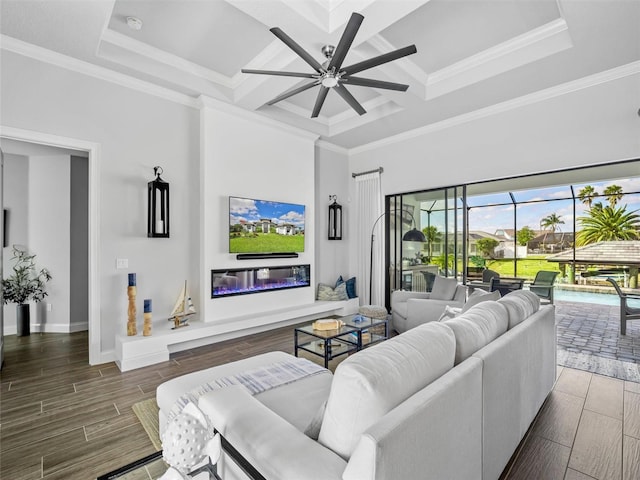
(413, 235)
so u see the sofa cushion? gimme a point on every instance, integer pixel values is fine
(351, 286)
(327, 292)
(480, 296)
(373, 381)
(477, 327)
(443, 288)
(520, 304)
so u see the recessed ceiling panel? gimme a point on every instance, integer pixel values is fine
(446, 32)
(212, 34)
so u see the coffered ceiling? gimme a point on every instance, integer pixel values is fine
(471, 54)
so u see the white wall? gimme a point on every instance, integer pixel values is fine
(49, 221)
(245, 156)
(15, 194)
(588, 126)
(135, 131)
(333, 178)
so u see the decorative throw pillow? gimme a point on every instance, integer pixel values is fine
(351, 286)
(327, 292)
(449, 313)
(480, 296)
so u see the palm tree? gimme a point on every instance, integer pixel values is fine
(614, 194)
(550, 223)
(431, 234)
(587, 194)
(607, 224)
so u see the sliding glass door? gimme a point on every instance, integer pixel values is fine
(438, 214)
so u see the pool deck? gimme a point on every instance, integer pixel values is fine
(595, 329)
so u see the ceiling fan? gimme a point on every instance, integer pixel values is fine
(331, 74)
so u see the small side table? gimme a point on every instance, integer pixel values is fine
(328, 344)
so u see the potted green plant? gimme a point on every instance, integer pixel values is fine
(25, 284)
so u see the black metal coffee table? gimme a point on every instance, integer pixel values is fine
(347, 339)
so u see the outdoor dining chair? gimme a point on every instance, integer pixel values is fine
(543, 284)
(626, 312)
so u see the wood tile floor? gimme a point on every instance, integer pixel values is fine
(63, 419)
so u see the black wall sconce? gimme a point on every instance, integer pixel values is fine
(158, 206)
(335, 219)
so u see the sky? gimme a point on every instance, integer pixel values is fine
(491, 218)
(252, 210)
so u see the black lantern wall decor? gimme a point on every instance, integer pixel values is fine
(158, 206)
(335, 219)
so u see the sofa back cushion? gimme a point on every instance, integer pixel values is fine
(443, 288)
(479, 296)
(477, 327)
(520, 304)
(372, 382)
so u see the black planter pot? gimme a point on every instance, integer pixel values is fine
(23, 320)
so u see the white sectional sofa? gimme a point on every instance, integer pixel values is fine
(445, 400)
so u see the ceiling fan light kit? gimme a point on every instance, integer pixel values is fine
(330, 74)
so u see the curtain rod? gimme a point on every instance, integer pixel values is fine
(379, 169)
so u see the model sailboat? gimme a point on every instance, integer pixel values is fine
(182, 309)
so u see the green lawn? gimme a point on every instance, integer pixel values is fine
(527, 267)
(267, 243)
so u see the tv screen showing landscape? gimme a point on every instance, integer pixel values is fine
(262, 226)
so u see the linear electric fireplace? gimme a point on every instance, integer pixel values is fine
(243, 281)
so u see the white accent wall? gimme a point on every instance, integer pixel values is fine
(245, 156)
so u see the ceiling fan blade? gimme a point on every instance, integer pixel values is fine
(369, 82)
(322, 94)
(302, 53)
(283, 74)
(344, 93)
(345, 41)
(292, 92)
(379, 60)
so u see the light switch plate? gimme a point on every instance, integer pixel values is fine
(122, 263)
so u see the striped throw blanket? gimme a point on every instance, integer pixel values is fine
(256, 381)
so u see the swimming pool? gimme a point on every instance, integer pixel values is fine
(591, 297)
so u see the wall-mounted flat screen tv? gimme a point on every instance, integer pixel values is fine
(263, 226)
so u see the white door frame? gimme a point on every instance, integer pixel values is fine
(95, 353)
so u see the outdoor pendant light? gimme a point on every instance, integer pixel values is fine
(335, 219)
(158, 206)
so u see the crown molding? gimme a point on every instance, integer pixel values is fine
(160, 56)
(208, 102)
(596, 79)
(25, 49)
(323, 144)
(541, 42)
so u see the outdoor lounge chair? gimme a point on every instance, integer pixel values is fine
(506, 285)
(543, 284)
(626, 312)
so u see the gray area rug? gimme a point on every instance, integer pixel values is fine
(603, 366)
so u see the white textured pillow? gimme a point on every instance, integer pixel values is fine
(476, 297)
(327, 292)
(478, 327)
(443, 288)
(373, 381)
(449, 313)
(520, 304)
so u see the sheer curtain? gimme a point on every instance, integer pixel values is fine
(369, 207)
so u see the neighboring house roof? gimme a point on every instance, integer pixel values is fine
(555, 237)
(478, 234)
(603, 253)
